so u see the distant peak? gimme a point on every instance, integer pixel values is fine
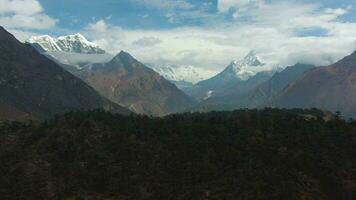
(76, 36)
(42, 36)
(252, 59)
(34, 39)
(252, 53)
(123, 55)
(75, 43)
(235, 64)
(245, 67)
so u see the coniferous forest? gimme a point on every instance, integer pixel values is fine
(246, 154)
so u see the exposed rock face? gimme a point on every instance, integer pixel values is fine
(126, 81)
(34, 87)
(331, 88)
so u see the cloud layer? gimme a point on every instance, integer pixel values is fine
(209, 34)
(24, 14)
(283, 32)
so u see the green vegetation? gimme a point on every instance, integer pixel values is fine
(247, 154)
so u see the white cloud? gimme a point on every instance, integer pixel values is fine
(24, 7)
(25, 14)
(165, 4)
(181, 46)
(100, 26)
(27, 22)
(238, 5)
(147, 41)
(179, 11)
(22, 35)
(272, 29)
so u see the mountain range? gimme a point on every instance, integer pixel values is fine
(181, 75)
(34, 87)
(226, 81)
(76, 51)
(128, 82)
(120, 78)
(76, 43)
(257, 92)
(331, 88)
(265, 93)
(72, 51)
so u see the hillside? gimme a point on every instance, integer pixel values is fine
(224, 83)
(126, 81)
(331, 88)
(257, 155)
(264, 94)
(34, 87)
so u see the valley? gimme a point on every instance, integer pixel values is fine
(177, 100)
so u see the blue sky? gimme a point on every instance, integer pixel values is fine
(133, 14)
(203, 33)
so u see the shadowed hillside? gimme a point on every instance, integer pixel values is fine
(34, 87)
(332, 88)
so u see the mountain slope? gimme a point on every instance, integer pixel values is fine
(72, 50)
(237, 71)
(34, 87)
(268, 90)
(257, 92)
(236, 95)
(126, 81)
(332, 88)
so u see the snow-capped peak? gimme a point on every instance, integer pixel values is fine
(76, 38)
(252, 59)
(245, 68)
(76, 43)
(46, 42)
(46, 38)
(186, 73)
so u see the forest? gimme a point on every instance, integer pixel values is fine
(244, 154)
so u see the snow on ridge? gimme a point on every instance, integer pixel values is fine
(249, 66)
(186, 73)
(76, 43)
